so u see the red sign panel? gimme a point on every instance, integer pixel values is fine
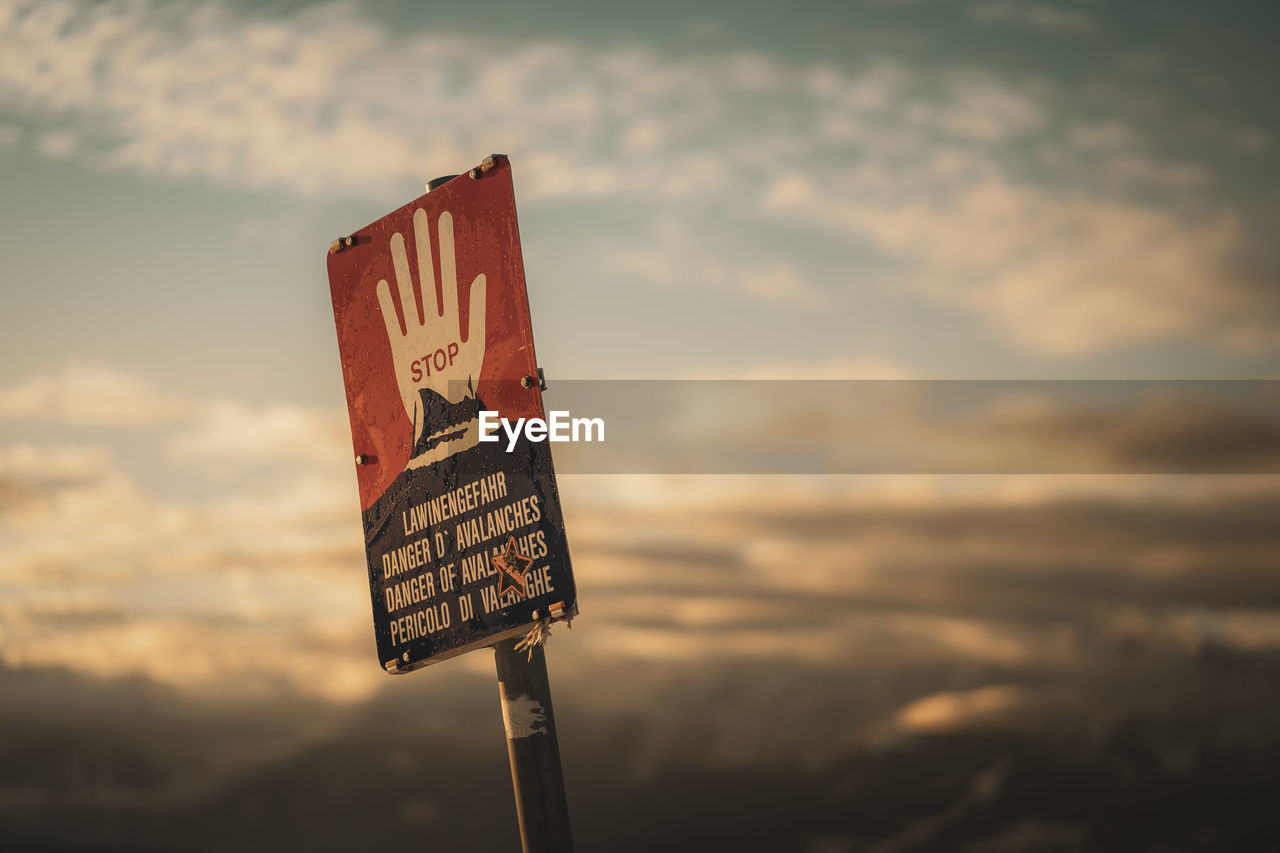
(464, 538)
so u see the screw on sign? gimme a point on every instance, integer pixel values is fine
(433, 328)
(464, 540)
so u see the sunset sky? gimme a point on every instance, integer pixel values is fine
(884, 189)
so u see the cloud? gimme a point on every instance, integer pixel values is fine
(952, 710)
(1102, 135)
(54, 464)
(1059, 275)
(674, 255)
(800, 417)
(215, 434)
(778, 283)
(255, 579)
(325, 101)
(1066, 234)
(242, 592)
(56, 145)
(92, 396)
(30, 473)
(328, 100)
(237, 435)
(1057, 17)
(807, 631)
(1007, 573)
(1173, 428)
(835, 368)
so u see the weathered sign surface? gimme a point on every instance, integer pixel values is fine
(464, 538)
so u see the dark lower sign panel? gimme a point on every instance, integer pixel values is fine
(465, 540)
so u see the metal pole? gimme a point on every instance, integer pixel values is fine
(541, 806)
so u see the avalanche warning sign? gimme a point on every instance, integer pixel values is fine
(464, 538)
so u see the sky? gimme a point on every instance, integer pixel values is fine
(884, 189)
(981, 189)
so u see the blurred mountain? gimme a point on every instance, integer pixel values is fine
(102, 765)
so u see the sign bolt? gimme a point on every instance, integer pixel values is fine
(342, 243)
(541, 379)
(485, 166)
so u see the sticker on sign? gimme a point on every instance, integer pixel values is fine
(464, 538)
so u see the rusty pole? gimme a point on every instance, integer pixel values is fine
(541, 806)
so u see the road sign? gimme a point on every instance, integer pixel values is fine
(465, 539)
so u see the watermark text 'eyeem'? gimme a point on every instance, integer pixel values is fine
(560, 426)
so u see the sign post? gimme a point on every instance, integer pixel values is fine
(533, 748)
(464, 538)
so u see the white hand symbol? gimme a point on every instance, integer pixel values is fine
(436, 366)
